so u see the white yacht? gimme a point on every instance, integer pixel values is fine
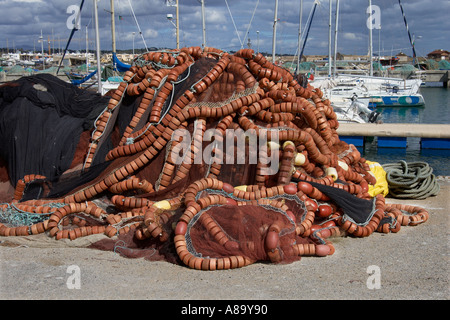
(375, 91)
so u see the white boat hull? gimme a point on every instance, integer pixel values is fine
(375, 91)
(413, 100)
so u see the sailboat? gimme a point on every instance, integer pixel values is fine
(347, 108)
(375, 91)
(370, 90)
(111, 83)
(81, 79)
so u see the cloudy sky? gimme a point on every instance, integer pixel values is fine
(227, 22)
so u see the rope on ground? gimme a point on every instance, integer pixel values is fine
(413, 180)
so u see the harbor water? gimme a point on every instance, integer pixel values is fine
(435, 111)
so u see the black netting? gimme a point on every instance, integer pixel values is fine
(41, 121)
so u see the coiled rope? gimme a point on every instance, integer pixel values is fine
(413, 180)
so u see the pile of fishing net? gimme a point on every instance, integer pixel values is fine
(443, 65)
(208, 159)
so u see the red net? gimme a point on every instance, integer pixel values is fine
(211, 160)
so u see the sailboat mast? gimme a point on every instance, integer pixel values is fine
(299, 35)
(308, 26)
(370, 38)
(87, 51)
(274, 39)
(409, 34)
(203, 23)
(178, 26)
(335, 36)
(113, 27)
(41, 39)
(329, 41)
(97, 40)
(70, 37)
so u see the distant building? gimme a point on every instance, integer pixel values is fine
(402, 57)
(439, 55)
(314, 58)
(353, 57)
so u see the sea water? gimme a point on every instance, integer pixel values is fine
(435, 111)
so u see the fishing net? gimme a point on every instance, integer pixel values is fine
(443, 65)
(406, 70)
(431, 64)
(208, 159)
(17, 70)
(307, 66)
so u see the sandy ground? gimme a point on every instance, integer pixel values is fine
(412, 264)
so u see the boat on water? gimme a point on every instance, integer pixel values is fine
(373, 91)
(412, 100)
(370, 90)
(393, 92)
(354, 110)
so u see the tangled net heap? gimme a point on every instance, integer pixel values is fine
(219, 215)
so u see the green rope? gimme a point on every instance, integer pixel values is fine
(414, 180)
(15, 217)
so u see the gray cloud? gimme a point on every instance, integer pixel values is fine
(21, 23)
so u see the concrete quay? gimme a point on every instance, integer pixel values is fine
(412, 264)
(440, 131)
